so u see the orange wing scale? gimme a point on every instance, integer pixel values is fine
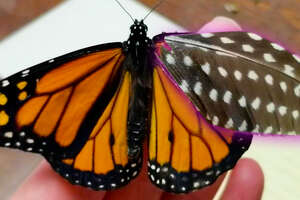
(179, 136)
(98, 155)
(63, 100)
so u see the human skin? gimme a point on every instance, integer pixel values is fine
(246, 181)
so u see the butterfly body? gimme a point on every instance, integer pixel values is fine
(89, 112)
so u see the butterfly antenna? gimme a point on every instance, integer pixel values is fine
(125, 10)
(154, 8)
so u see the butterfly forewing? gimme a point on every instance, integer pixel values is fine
(39, 102)
(237, 80)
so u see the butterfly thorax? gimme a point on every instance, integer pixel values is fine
(138, 37)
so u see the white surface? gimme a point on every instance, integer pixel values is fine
(77, 24)
(74, 25)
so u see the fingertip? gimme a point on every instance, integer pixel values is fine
(246, 181)
(45, 183)
(248, 168)
(221, 24)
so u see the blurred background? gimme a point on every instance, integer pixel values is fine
(60, 26)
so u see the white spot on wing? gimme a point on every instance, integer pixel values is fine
(8, 134)
(25, 71)
(282, 110)
(269, 58)
(207, 35)
(170, 59)
(296, 57)
(238, 75)
(222, 71)
(277, 47)
(243, 126)
(271, 107)
(184, 86)
(297, 90)
(215, 120)
(198, 88)
(289, 70)
(196, 184)
(283, 86)
(269, 79)
(252, 75)
(226, 40)
(248, 48)
(5, 83)
(187, 61)
(229, 123)
(295, 114)
(256, 103)
(254, 36)
(213, 94)
(242, 101)
(206, 68)
(227, 97)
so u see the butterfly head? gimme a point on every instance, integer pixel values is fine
(138, 35)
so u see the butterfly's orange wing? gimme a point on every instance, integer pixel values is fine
(185, 151)
(74, 112)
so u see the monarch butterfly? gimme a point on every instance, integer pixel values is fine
(88, 112)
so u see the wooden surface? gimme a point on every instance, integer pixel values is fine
(277, 19)
(16, 13)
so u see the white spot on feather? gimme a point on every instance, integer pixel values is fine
(222, 71)
(198, 88)
(243, 126)
(227, 97)
(295, 114)
(184, 86)
(256, 103)
(206, 68)
(170, 59)
(289, 70)
(271, 107)
(269, 57)
(187, 61)
(296, 57)
(283, 86)
(252, 75)
(242, 101)
(213, 94)
(229, 123)
(254, 36)
(207, 35)
(297, 90)
(277, 47)
(269, 79)
(215, 120)
(248, 48)
(226, 40)
(238, 75)
(282, 110)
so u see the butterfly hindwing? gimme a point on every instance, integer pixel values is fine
(103, 162)
(185, 151)
(237, 80)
